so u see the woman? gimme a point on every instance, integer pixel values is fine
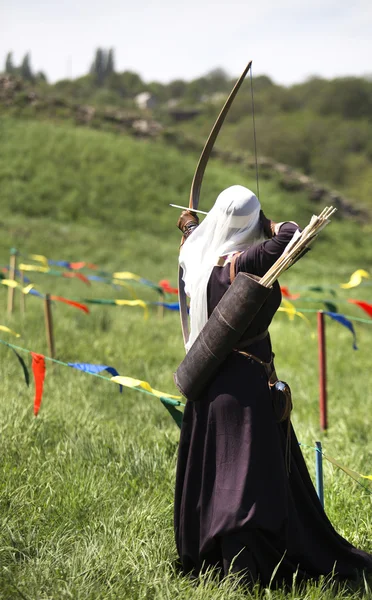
(241, 502)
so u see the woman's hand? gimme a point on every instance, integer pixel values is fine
(187, 221)
(268, 226)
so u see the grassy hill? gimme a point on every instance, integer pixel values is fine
(86, 488)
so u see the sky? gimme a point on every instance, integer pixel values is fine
(163, 40)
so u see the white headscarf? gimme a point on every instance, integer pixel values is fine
(232, 225)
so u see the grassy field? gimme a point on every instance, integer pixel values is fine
(87, 486)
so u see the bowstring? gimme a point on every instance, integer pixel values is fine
(254, 134)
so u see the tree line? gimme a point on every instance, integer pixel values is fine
(346, 97)
(24, 69)
(321, 127)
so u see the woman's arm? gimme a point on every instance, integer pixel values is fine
(258, 259)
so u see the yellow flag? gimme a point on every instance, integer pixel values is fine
(126, 275)
(40, 258)
(134, 303)
(137, 383)
(355, 279)
(23, 267)
(289, 308)
(350, 472)
(28, 288)
(9, 282)
(4, 328)
(292, 311)
(127, 287)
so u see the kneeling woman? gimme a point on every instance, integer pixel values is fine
(241, 502)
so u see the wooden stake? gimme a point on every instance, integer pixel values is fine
(49, 325)
(322, 371)
(160, 306)
(23, 296)
(11, 276)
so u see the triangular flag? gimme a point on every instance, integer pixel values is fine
(363, 305)
(90, 368)
(5, 328)
(287, 294)
(40, 258)
(355, 279)
(141, 303)
(345, 322)
(38, 368)
(176, 414)
(74, 275)
(138, 383)
(71, 303)
(165, 285)
(23, 365)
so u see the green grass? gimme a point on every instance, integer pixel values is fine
(87, 486)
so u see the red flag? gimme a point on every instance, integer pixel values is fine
(286, 293)
(166, 287)
(71, 303)
(363, 305)
(78, 276)
(38, 368)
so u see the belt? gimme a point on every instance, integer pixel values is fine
(272, 380)
(269, 367)
(248, 342)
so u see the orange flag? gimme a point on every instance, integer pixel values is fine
(38, 369)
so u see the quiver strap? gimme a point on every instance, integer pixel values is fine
(232, 266)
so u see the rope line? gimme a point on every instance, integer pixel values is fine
(170, 401)
(334, 462)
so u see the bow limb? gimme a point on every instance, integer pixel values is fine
(196, 187)
(204, 157)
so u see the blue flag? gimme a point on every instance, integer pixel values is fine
(346, 323)
(89, 368)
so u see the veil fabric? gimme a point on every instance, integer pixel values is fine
(232, 225)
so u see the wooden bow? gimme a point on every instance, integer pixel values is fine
(196, 186)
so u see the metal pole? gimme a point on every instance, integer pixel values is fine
(322, 371)
(160, 306)
(319, 472)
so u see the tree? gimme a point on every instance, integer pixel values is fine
(40, 76)
(98, 67)
(9, 67)
(131, 84)
(103, 65)
(177, 88)
(110, 64)
(25, 68)
(217, 80)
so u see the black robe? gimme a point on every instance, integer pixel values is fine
(236, 505)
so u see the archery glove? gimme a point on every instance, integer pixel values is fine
(187, 222)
